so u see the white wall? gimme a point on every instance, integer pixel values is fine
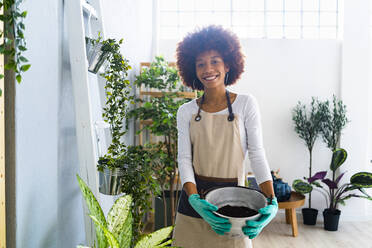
(48, 201)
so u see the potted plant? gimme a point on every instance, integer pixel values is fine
(118, 99)
(338, 194)
(116, 230)
(97, 53)
(162, 111)
(308, 127)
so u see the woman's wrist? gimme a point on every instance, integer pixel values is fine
(190, 188)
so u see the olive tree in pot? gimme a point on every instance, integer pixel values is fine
(308, 126)
(338, 194)
(162, 111)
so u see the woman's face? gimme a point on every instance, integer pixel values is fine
(211, 69)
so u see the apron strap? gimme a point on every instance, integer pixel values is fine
(231, 114)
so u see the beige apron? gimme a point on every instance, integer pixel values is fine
(218, 158)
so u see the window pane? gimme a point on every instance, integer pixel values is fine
(169, 18)
(222, 18)
(310, 32)
(256, 32)
(275, 32)
(186, 19)
(204, 5)
(240, 31)
(328, 19)
(274, 19)
(292, 5)
(240, 18)
(292, 19)
(310, 19)
(256, 5)
(168, 5)
(327, 33)
(310, 5)
(241, 5)
(186, 5)
(168, 32)
(292, 32)
(256, 19)
(203, 18)
(184, 30)
(276, 5)
(329, 5)
(222, 5)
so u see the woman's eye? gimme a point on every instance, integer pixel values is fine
(200, 65)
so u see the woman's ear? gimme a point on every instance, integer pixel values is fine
(227, 68)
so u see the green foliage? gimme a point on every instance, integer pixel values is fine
(117, 229)
(118, 91)
(301, 186)
(338, 158)
(333, 122)
(94, 210)
(308, 122)
(362, 180)
(14, 44)
(162, 111)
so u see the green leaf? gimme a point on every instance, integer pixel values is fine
(119, 220)
(23, 59)
(155, 238)
(338, 158)
(22, 48)
(301, 186)
(19, 78)
(1, 76)
(25, 67)
(95, 210)
(109, 236)
(362, 179)
(1, 92)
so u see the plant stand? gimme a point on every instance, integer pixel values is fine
(295, 201)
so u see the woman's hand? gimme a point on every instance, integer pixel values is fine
(205, 210)
(254, 227)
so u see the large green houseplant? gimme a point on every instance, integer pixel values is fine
(162, 111)
(123, 169)
(336, 194)
(308, 127)
(116, 230)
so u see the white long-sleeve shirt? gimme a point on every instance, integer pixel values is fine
(246, 107)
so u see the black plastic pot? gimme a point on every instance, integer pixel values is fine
(159, 210)
(331, 219)
(309, 216)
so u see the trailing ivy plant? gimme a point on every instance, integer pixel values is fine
(308, 127)
(118, 91)
(162, 111)
(14, 44)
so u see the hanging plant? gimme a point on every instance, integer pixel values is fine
(14, 44)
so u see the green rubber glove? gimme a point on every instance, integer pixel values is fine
(254, 227)
(205, 210)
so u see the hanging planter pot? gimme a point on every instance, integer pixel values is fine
(309, 216)
(331, 219)
(110, 181)
(95, 55)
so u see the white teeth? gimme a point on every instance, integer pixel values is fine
(210, 78)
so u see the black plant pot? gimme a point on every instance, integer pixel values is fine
(309, 216)
(159, 210)
(331, 219)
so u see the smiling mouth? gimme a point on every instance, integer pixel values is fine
(210, 78)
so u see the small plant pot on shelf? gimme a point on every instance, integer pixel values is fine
(331, 219)
(309, 216)
(110, 181)
(95, 55)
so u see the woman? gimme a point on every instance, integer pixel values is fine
(214, 133)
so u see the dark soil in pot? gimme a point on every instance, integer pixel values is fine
(331, 219)
(309, 216)
(236, 211)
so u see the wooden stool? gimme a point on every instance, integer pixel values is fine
(296, 200)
